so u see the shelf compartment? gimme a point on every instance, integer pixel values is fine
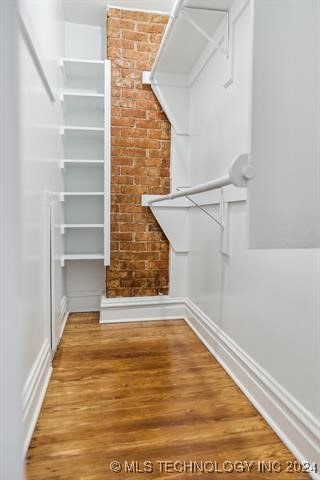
(83, 109)
(81, 256)
(84, 240)
(83, 100)
(87, 75)
(84, 178)
(81, 146)
(84, 210)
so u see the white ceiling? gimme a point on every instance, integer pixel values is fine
(92, 12)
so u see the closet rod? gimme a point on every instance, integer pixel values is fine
(173, 17)
(239, 175)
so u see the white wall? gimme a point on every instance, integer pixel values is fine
(84, 41)
(10, 258)
(267, 301)
(41, 148)
(94, 12)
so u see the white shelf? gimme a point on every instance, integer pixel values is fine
(205, 26)
(196, 22)
(67, 226)
(74, 162)
(80, 194)
(82, 256)
(90, 132)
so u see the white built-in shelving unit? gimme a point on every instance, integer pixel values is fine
(85, 132)
(207, 28)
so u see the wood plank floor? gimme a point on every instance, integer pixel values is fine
(146, 392)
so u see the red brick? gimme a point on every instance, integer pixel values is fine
(122, 122)
(156, 38)
(133, 132)
(133, 55)
(122, 237)
(152, 124)
(137, 16)
(150, 28)
(131, 227)
(139, 158)
(136, 36)
(133, 112)
(160, 19)
(147, 47)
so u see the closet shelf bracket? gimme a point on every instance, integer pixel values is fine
(186, 11)
(219, 221)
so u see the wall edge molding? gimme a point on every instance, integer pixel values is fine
(64, 314)
(34, 392)
(134, 309)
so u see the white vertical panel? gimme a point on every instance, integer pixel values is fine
(107, 163)
(284, 197)
(10, 261)
(41, 153)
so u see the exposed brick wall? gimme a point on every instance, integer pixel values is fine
(140, 155)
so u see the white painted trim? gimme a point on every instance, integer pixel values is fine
(134, 309)
(34, 391)
(107, 162)
(296, 427)
(236, 12)
(156, 12)
(64, 314)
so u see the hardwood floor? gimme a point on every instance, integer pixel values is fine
(146, 392)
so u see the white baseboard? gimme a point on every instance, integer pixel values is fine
(34, 391)
(134, 309)
(84, 301)
(63, 314)
(298, 430)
